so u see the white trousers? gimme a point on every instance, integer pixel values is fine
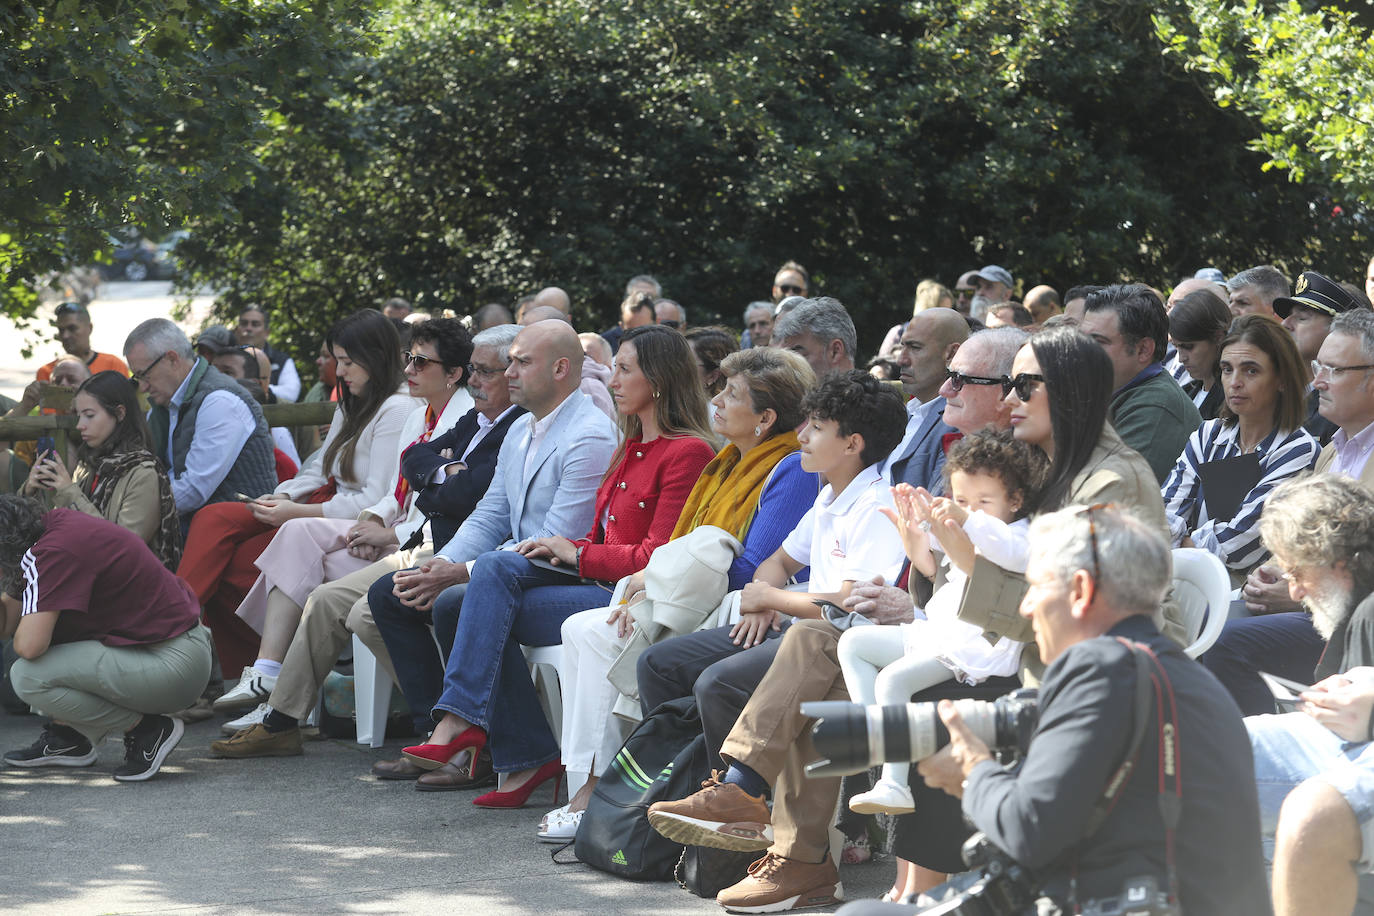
(592, 736)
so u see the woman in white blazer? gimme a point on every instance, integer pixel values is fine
(353, 470)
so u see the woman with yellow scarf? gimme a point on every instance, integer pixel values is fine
(754, 488)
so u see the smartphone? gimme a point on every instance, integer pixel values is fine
(245, 498)
(46, 445)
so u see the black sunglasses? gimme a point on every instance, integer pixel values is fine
(1023, 384)
(420, 361)
(790, 290)
(957, 380)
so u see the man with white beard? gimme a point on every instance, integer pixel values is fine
(994, 285)
(1315, 767)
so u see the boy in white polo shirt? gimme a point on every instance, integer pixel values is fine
(855, 421)
(852, 425)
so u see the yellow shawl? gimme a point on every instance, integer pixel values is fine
(727, 492)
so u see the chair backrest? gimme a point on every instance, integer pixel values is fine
(1202, 589)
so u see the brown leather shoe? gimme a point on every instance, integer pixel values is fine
(454, 775)
(721, 815)
(776, 885)
(396, 769)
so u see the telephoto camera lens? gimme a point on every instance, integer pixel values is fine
(851, 738)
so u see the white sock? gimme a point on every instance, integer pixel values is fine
(268, 667)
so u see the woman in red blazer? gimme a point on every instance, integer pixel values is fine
(510, 601)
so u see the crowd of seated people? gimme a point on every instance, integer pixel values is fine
(527, 486)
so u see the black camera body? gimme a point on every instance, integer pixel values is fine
(851, 738)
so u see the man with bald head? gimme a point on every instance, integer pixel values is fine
(555, 297)
(547, 472)
(595, 375)
(930, 340)
(1043, 303)
(542, 313)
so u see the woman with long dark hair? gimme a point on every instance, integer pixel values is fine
(117, 477)
(1197, 325)
(1265, 383)
(488, 699)
(350, 472)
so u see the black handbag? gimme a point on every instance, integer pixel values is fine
(706, 872)
(664, 759)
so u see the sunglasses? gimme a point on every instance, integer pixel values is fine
(788, 289)
(1024, 384)
(420, 361)
(139, 377)
(957, 380)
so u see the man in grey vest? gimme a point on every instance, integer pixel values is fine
(205, 426)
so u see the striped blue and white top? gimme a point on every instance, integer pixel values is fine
(1235, 540)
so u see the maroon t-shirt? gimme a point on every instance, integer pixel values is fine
(105, 582)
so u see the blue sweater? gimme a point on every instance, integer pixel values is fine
(781, 506)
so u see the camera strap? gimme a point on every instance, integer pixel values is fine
(1152, 687)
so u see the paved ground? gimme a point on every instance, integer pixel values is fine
(114, 313)
(291, 835)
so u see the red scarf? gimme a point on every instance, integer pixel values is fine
(403, 485)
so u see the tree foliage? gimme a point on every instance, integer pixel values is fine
(488, 150)
(1306, 73)
(476, 151)
(144, 112)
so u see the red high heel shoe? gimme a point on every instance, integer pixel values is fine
(433, 756)
(516, 798)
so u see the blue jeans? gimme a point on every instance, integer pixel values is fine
(1283, 644)
(419, 664)
(1294, 747)
(510, 602)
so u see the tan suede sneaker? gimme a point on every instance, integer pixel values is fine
(775, 885)
(721, 815)
(257, 741)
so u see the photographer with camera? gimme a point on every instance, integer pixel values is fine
(1124, 801)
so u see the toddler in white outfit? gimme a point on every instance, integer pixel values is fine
(990, 477)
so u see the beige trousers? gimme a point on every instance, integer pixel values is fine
(333, 613)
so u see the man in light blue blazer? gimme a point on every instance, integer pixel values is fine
(548, 469)
(547, 473)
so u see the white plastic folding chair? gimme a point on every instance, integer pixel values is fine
(1202, 589)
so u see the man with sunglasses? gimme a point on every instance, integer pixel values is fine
(929, 342)
(790, 280)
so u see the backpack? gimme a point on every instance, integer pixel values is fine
(664, 759)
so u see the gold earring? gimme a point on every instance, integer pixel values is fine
(655, 395)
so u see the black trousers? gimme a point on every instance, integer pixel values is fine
(709, 666)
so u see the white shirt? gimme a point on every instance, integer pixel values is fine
(223, 425)
(1352, 453)
(539, 429)
(288, 386)
(484, 426)
(844, 537)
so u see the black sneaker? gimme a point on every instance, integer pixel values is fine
(58, 746)
(147, 746)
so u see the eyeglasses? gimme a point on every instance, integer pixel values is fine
(957, 380)
(788, 289)
(138, 378)
(483, 371)
(420, 361)
(1334, 372)
(72, 308)
(1023, 384)
(671, 324)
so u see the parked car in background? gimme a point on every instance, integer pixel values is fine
(135, 257)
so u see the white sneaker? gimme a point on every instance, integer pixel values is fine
(253, 717)
(253, 688)
(560, 825)
(886, 797)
